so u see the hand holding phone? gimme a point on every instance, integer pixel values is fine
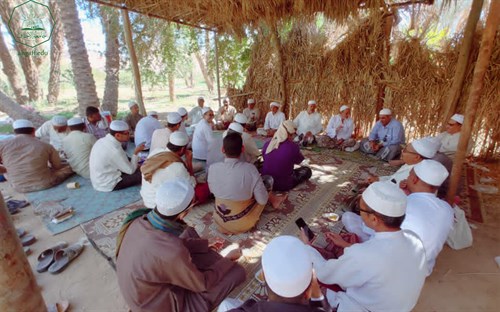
(303, 225)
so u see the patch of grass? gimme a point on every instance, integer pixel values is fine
(6, 128)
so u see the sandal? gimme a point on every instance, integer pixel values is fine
(63, 257)
(46, 258)
(27, 240)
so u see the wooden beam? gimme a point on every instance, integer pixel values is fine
(127, 29)
(19, 291)
(483, 61)
(386, 52)
(216, 38)
(282, 72)
(463, 61)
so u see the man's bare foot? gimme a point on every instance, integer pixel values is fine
(276, 200)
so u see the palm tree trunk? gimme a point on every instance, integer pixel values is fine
(28, 65)
(111, 23)
(9, 69)
(171, 86)
(16, 111)
(86, 93)
(56, 49)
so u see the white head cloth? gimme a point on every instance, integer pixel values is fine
(311, 102)
(173, 197)
(240, 118)
(426, 147)
(275, 104)
(22, 123)
(250, 101)
(201, 98)
(179, 138)
(118, 125)
(287, 266)
(458, 118)
(385, 112)
(287, 127)
(343, 108)
(174, 118)
(385, 198)
(431, 172)
(75, 121)
(60, 121)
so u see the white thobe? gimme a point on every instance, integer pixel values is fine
(273, 121)
(226, 114)
(449, 143)
(345, 132)
(400, 175)
(46, 131)
(308, 122)
(202, 138)
(253, 115)
(195, 115)
(182, 128)
(107, 162)
(77, 146)
(432, 220)
(144, 130)
(173, 172)
(160, 138)
(385, 273)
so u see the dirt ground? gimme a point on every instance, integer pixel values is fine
(465, 280)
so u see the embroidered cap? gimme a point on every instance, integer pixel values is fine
(173, 197)
(132, 103)
(59, 121)
(426, 147)
(275, 104)
(182, 111)
(240, 118)
(22, 123)
(385, 112)
(343, 108)
(75, 121)
(179, 138)
(118, 125)
(458, 118)
(236, 127)
(174, 118)
(311, 102)
(153, 113)
(250, 101)
(385, 198)
(431, 172)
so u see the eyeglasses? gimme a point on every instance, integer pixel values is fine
(367, 211)
(452, 124)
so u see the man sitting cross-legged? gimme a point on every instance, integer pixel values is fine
(240, 194)
(77, 146)
(272, 121)
(110, 168)
(31, 164)
(163, 265)
(165, 165)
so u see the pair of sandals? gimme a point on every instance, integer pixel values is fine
(15, 206)
(58, 257)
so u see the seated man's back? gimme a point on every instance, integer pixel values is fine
(77, 146)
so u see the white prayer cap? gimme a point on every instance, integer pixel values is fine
(458, 118)
(201, 98)
(276, 104)
(343, 108)
(22, 123)
(287, 266)
(75, 121)
(226, 99)
(118, 125)
(431, 172)
(132, 103)
(250, 101)
(240, 118)
(385, 198)
(182, 111)
(426, 147)
(205, 110)
(311, 102)
(60, 121)
(179, 138)
(174, 118)
(385, 111)
(153, 113)
(173, 197)
(236, 127)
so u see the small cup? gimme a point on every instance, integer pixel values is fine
(73, 185)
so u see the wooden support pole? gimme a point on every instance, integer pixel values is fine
(463, 61)
(216, 38)
(19, 291)
(127, 29)
(483, 61)
(282, 71)
(386, 52)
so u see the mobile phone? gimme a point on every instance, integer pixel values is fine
(303, 225)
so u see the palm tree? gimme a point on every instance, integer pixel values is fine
(84, 80)
(16, 111)
(56, 49)
(9, 68)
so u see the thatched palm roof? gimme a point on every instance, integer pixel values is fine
(234, 15)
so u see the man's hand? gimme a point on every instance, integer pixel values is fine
(337, 239)
(216, 244)
(189, 155)
(315, 288)
(372, 179)
(139, 148)
(234, 255)
(339, 128)
(303, 237)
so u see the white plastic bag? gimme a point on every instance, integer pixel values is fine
(460, 236)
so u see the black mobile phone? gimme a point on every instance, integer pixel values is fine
(303, 225)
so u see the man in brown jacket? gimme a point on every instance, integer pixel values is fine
(163, 265)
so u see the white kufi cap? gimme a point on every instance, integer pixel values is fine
(75, 121)
(153, 113)
(311, 102)
(431, 172)
(240, 118)
(426, 147)
(179, 138)
(22, 123)
(60, 121)
(132, 104)
(236, 127)
(458, 118)
(276, 104)
(182, 111)
(343, 108)
(250, 101)
(201, 98)
(385, 111)
(287, 266)
(205, 110)
(385, 198)
(173, 197)
(118, 125)
(174, 118)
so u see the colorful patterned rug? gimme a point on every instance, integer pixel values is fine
(470, 199)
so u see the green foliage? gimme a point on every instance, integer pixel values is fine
(234, 59)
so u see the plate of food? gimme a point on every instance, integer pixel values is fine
(331, 216)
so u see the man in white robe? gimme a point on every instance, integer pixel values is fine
(339, 132)
(145, 128)
(184, 115)
(309, 123)
(203, 135)
(253, 115)
(195, 115)
(54, 131)
(449, 139)
(77, 147)
(160, 137)
(273, 120)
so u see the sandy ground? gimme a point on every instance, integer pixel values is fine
(466, 280)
